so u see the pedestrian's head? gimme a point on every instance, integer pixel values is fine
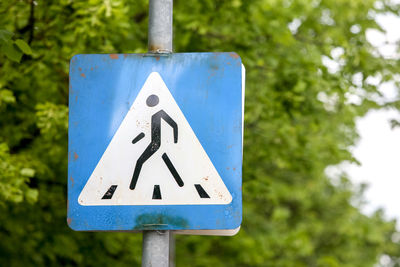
(152, 101)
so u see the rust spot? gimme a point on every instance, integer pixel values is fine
(69, 220)
(158, 58)
(227, 168)
(154, 48)
(125, 55)
(75, 156)
(205, 178)
(72, 181)
(80, 69)
(113, 56)
(83, 75)
(76, 98)
(91, 68)
(234, 169)
(234, 55)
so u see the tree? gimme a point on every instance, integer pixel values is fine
(299, 119)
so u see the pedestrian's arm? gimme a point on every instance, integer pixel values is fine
(172, 123)
(137, 138)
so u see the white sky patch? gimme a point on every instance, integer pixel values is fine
(357, 79)
(335, 62)
(378, 149)
(326, 18)
(354, 96)
(386, 43)
(294, 25)
(389, 92)
(374, 80)
(337, 52)
(332, 65)
(355, 29)
(330, 101)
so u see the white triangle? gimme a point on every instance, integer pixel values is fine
(118, 162)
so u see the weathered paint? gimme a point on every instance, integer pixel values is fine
(234, 55)
(208, 89)
(114, 56)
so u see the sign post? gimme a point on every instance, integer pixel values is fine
(155, 250)
(160, 26)
(155, 141)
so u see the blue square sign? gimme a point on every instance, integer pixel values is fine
(155, 142)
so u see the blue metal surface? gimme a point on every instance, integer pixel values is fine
(208, 89)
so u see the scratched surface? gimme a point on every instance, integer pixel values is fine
(208, 89)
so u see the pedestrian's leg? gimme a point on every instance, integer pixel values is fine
(136, 173)
(150, 150)
(172, 169)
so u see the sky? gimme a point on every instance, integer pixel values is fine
(378, 149)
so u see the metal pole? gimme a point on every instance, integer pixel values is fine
(155, 251)
(160, 26)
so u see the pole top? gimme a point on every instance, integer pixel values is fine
(160, 26)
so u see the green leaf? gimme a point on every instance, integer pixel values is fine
(28, 172)
(6, 96)
(11, 52)
(23, 46)
(5, 36)
(31, 195)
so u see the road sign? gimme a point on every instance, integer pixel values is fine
(155, 142)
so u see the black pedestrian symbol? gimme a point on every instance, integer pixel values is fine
(154, 145)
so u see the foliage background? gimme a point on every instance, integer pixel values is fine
(298, 121)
